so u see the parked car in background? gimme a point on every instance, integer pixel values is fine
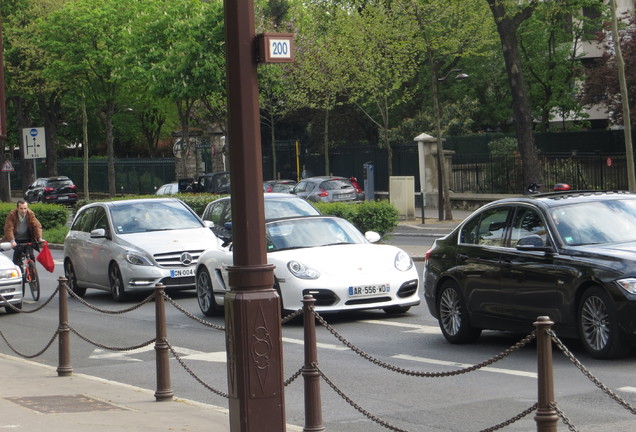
(326, 257)
(326, 189)
(119, 246)
(213, 183)
(168, 189)
(567, 255)
(284, 186)
(276, 205)
(10, 281)
(58, 190)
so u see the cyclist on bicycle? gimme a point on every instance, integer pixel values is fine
(21, 226)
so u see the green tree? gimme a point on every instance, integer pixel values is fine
(319, 74)
(448, 31)
(177, 49)
(379, 45)
(550, 43)
(34, 96)
(508, 16)
(87, 41)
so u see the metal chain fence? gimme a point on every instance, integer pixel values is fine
(393, 368)
(374, 360)
(191, 315)
(590, 376)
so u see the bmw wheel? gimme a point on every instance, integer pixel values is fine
(205, 294)
(117, 290)
(453, 315)
(598, 325)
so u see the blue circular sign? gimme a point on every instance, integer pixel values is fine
(33, 132)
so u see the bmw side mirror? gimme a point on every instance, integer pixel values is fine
(533, 243)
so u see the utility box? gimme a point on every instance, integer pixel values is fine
(402, 195)
(368, 169)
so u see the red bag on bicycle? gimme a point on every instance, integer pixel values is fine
(45, 258)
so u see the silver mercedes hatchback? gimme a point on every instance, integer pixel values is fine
(126, 245)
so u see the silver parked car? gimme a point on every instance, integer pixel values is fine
(326, 189)
(120, 246)
(168, 189)
(10, 281)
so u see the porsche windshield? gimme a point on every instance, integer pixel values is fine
(311, 232)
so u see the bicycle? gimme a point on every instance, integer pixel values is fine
(29, 270)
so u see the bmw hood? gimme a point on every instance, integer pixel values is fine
(619, 251)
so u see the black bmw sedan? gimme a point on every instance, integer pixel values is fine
(567, 255)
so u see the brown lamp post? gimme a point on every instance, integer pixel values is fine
(252, 307)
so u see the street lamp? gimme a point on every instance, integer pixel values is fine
(443, 204)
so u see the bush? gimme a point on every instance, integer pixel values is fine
(55, 235)
(378, 216)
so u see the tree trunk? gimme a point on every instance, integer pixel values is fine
(444, 208)
(507, 28)
(326, 142)
(109, 111)
(273, 139)
(49, 113)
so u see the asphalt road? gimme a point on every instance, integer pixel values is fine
(465, 402)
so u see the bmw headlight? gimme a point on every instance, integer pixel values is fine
(628, 285)
(301, 271)
(137, 259)
(403, 261)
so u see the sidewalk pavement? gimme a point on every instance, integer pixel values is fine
(35, 398)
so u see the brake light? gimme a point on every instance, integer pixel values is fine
(323, 193)
(427, 255)
(49, 189)
(73, 187)
(562, 187)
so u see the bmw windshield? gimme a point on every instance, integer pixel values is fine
(596, 222)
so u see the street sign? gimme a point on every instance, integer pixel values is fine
(34, 143)
(7, 167)
(275, 47)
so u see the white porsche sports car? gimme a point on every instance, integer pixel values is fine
(326, 257)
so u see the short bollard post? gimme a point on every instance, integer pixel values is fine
(164, 389)
(64, 367)
(313, 408)
(546, 417)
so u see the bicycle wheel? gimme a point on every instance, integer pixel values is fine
(34, 281)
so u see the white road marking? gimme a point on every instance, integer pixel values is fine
(627, 389)
(318, 344)
(421, 329)
(190, 354)
(465, 365)
(187, 354)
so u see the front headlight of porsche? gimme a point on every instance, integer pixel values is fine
(403, 261)
(301, 271)
(628, 285)
(137, 259)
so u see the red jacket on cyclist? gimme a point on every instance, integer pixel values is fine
(21, 226)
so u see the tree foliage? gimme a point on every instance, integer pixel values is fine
(601, 85)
